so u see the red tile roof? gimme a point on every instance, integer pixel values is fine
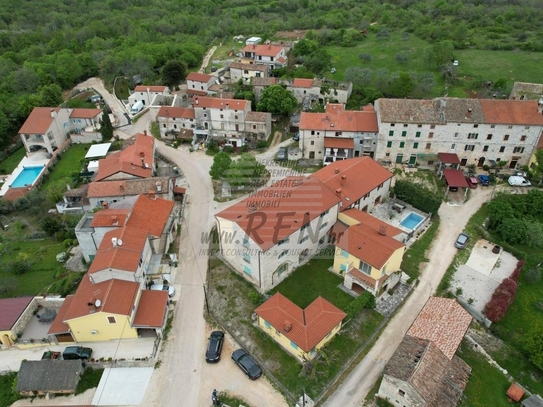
(248, 67)
(455, 178)
(338, 119)
(150, 214)
(360, 276)
(291, 203)
(260, 117)
(338, 142)
(363, 175)
(143, 88)
(263, 81)
(219, 103)
(124, 256)
(59, 326)
(152, 309)
(129, 160)
(515, 392)
(116, 297)
(12, 308)
(12, 194)
(176, 112)
(511, 112)
(199, 77)
(371, 221)
(442, 321)
(264, 50)
(307, 327)
(110, 217)
(39, 120)
(448, 158)
(85, 113)
(302, 83)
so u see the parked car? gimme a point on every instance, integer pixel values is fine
(517, 181)
(472, 182)
(282, 154)
(247, 364)
(483, 180)
(296, 137)
(214, 347)
(461, 241)
(169, 288)
(76, 352)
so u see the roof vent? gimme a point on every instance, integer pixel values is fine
(158, 186)
(336, 170)
(142, 154)
(338, 191)
(288, 326)
(114, 241)
(383, 230)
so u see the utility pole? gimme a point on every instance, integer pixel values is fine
(205, 295)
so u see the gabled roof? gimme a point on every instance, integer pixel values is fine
(155, 88)
(110, 217)
(49, 375)
(199, 77)
(438, 380)
(127, 187)
(339, 142)
(176, 112)
(59, 326)
(39, 120)
(302, 83)
(151, 309)
(263, 81)
(306, 328)
(511, 112)
(116, 297)
(442, 321)
(85, 113)
(455, 178)
(218, 103)
(248, 67)
(11, 310)
(264, 50)
(363, 175)
(448, 158)
(371, 221)
(336, 118)
(150, 214)
(291, 202)
(257, 117)
(137, 159)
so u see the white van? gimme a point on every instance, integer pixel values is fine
(517, 181)
(137, 107)
(159, 287)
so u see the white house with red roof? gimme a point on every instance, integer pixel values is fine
(323, 91)
(266, 54)
(146, 94)
(247, 72)
(338, 134)
(199, 83)
(47, 127)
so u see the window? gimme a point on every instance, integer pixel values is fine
(509, 127)
(111, 320)
(489, 136)
(247, 270)
(428, 146)
(236, 117)
(402, 144)
(433, 126)
(493, 126)
(475, 126)
(401, 392)
(246, 241)
(522, 138)
(312, 132)
(485, 148)
(365, 268)
(419, 126)
(267, 324)
(405, 125)
(254, 126)
(344, 254)
(518, 150)
(247, 258)
(391, 133)
(404, 133)
(387, 154)
(293, 345)
(415, 145)
(502, 149)
(342, 267)
(312, 142)
(286, 240)
(473, 136)
(283, 254)
(222, 116)
(453, 146)
(417, 134)
(392, 124)
(389, 144)
(469, 147)
(323, 225)
(456, 134)
(431, 134)
(506, 137)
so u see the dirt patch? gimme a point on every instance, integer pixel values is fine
(295, 34)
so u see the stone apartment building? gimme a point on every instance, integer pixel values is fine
(479, 131)
(308, 90)
(338, 134)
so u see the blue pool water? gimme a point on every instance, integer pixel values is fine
(27, 176)
(411, 221)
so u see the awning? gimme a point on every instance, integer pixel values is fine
(455, 178)
(196, 92)
(98, 150)
(448, 158)
(338, 142)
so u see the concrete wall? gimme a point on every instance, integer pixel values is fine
(390, 390)
(86, 137)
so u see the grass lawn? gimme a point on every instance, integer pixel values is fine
(487, 385)
(70, 161)
(7, 396)
(416, 254)
(8, 165)
(122, 88)
(89, 380)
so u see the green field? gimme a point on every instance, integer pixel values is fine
(69, 163)
(8, 165)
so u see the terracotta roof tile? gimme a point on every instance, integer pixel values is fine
(264, 50)
(219, 103)
(442, 321)
(155, 88)
(302, 83)
(196, 92)
(199, 77)
(150, 214)
(363, 175)
(371, 221)
(110, 217)
(85, 113)
(307, 327)
(127, 187)
(59, 326)
(515, 392)
(257, 117)
(338, 142)
(292, 202)
(263, 81)
(12, 194)
(248, 67)
(511, 112)
(448, 158)
(362, 277)
(152, 309)
(12, 308)
(337, 119)
(176, 112)
(38, 121)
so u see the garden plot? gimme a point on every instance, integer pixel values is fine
(482, 273)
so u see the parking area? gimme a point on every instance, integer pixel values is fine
(482, 273)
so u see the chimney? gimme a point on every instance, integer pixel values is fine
(336, 170)
(114, 219)
(53, 113)
(254, 46)
(105, 205)
(158, 186)
(288, 326)
(338, 191)
(145, 132)
(196, 101)
(269, 46)
(121, 187)
(343, 178)
(142, 154)
(152, 194)
(383, 230)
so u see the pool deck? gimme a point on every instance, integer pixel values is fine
(34, 160)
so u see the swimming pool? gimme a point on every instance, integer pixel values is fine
(411, 221)
(27, 176)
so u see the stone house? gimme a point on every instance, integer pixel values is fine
(247, 72)
(307, 90)
(199, 83)
(43, 377)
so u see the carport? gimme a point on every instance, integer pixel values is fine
(456, 179)
(448, 160)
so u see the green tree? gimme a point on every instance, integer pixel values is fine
(51, 95)
(498, 211)
(512, 230)
(439, 54)
(51, 225)
(537, 170)
(533, 343)
(305, 47)
(106, 127)
(277, 100)
(401, 86)
(173, 73)
(221, 163)
(358, 76)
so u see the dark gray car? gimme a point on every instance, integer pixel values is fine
(247, 364)
(282, 154)
(214, 347)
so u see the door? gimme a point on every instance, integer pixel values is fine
(399, 158)
(311, 155)
(481, 162)
(357, 153)
(463, 162)
(413, 159)
(513, 164)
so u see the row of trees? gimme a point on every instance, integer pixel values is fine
(245, 171)
(417, 195)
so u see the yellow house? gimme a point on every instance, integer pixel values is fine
(368, 252)
(12, 311)
(301, 332)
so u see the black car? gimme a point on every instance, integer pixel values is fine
(247, 364)
(76, 352)
(214, 347)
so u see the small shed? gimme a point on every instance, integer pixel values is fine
(515, 392)
(40, 377)
(98, 150)
(11, 318)
(534, 400)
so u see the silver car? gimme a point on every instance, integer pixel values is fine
(461, 241)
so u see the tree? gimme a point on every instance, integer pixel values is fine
(305, 47)
(106, 127)
(358, 76)
(277, 100)
(439, 54)
(512, 230)
(51, 225)
(221, 163)
(533, 343)
(537, 170)
(401, 86)
(173, 73)
(51, 95)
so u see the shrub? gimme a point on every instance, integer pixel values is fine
(417, 195)
(501, 300)
(255, 297)
(518, 269)
(364, 300)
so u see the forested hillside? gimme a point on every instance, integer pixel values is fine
(50, 45)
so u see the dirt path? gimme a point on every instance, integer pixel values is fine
(276, 139)
(453, 220)
(207, 57)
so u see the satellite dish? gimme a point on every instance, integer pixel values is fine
(97, 303)
(114, 241)
(119, 242)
